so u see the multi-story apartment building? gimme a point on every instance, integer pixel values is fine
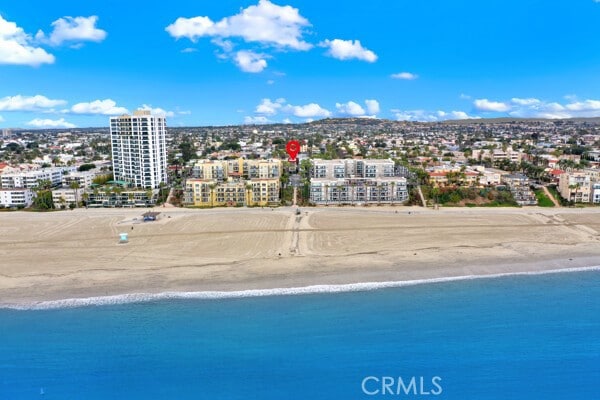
(575, 186)
(139, 152)
(83, 179)
(596, 193)
(351, 168)
(126, 198)
(31, 179)
(519, 186)
(234, 192)
(237, 168)
(65, 196)
(356, 181)
(498, 154)
(16, 197)
(234, 183)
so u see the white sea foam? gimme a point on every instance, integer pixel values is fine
(315, 289)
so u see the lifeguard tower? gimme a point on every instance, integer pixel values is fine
(123, 238)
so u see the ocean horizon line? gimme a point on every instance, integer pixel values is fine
(130, 298)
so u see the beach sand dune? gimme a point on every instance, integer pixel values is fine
(47, 256)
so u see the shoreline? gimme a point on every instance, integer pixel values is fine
(136, 298)
(76, 255)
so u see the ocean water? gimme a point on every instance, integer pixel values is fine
(514, 337)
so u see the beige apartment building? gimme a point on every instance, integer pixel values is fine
(576, 186)
(237, 182)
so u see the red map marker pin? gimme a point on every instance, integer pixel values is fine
(292, 147)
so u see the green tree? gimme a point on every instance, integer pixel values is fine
(43, 200)
(75, 185)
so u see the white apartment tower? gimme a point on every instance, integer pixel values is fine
(139, 151)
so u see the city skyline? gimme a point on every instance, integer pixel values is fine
(70, 65)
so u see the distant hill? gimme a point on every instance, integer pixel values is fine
(357, 122)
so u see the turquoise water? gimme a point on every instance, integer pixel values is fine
(521, 337)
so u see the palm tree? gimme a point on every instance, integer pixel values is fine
(326, 193)
(43, 184)
(149, 196)
(393, 183)
(85, 197)
(248, 194)
(576, 187)
(63, 202)
(75, 185)
(212, 187)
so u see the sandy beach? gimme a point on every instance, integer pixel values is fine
(76, 254)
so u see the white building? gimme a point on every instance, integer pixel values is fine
(65, 196)
(30, 179)
(350, 168)
(351, 181)
(84, 179)
(596, 193)
(139, 149)
(16, 197)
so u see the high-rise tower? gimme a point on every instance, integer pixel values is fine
(139, 151)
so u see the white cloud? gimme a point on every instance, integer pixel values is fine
(442, 115)
(536, 108)
(248, 61)
(427, 116)
(51, 123)
(348, 49)
(464, 96)
(17, 48)
(487, 105)
(103, 107)
(157, 111)
(553, 110)
(189, 50)
(405, 75)
(256, 120)
(524, 102)
(350, 108)
(587, 105)
(287, 121)
(311, 110)
(69, 29)
(372, 107)
(260, 28)
(269, 107)
(1, 118)
(265, 23)
(28, 103)
(226, 45)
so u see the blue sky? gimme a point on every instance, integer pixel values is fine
(66, 63)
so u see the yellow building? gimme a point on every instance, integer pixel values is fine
(210, 193)
(211, 170)
(234, 182)
(263, 192)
